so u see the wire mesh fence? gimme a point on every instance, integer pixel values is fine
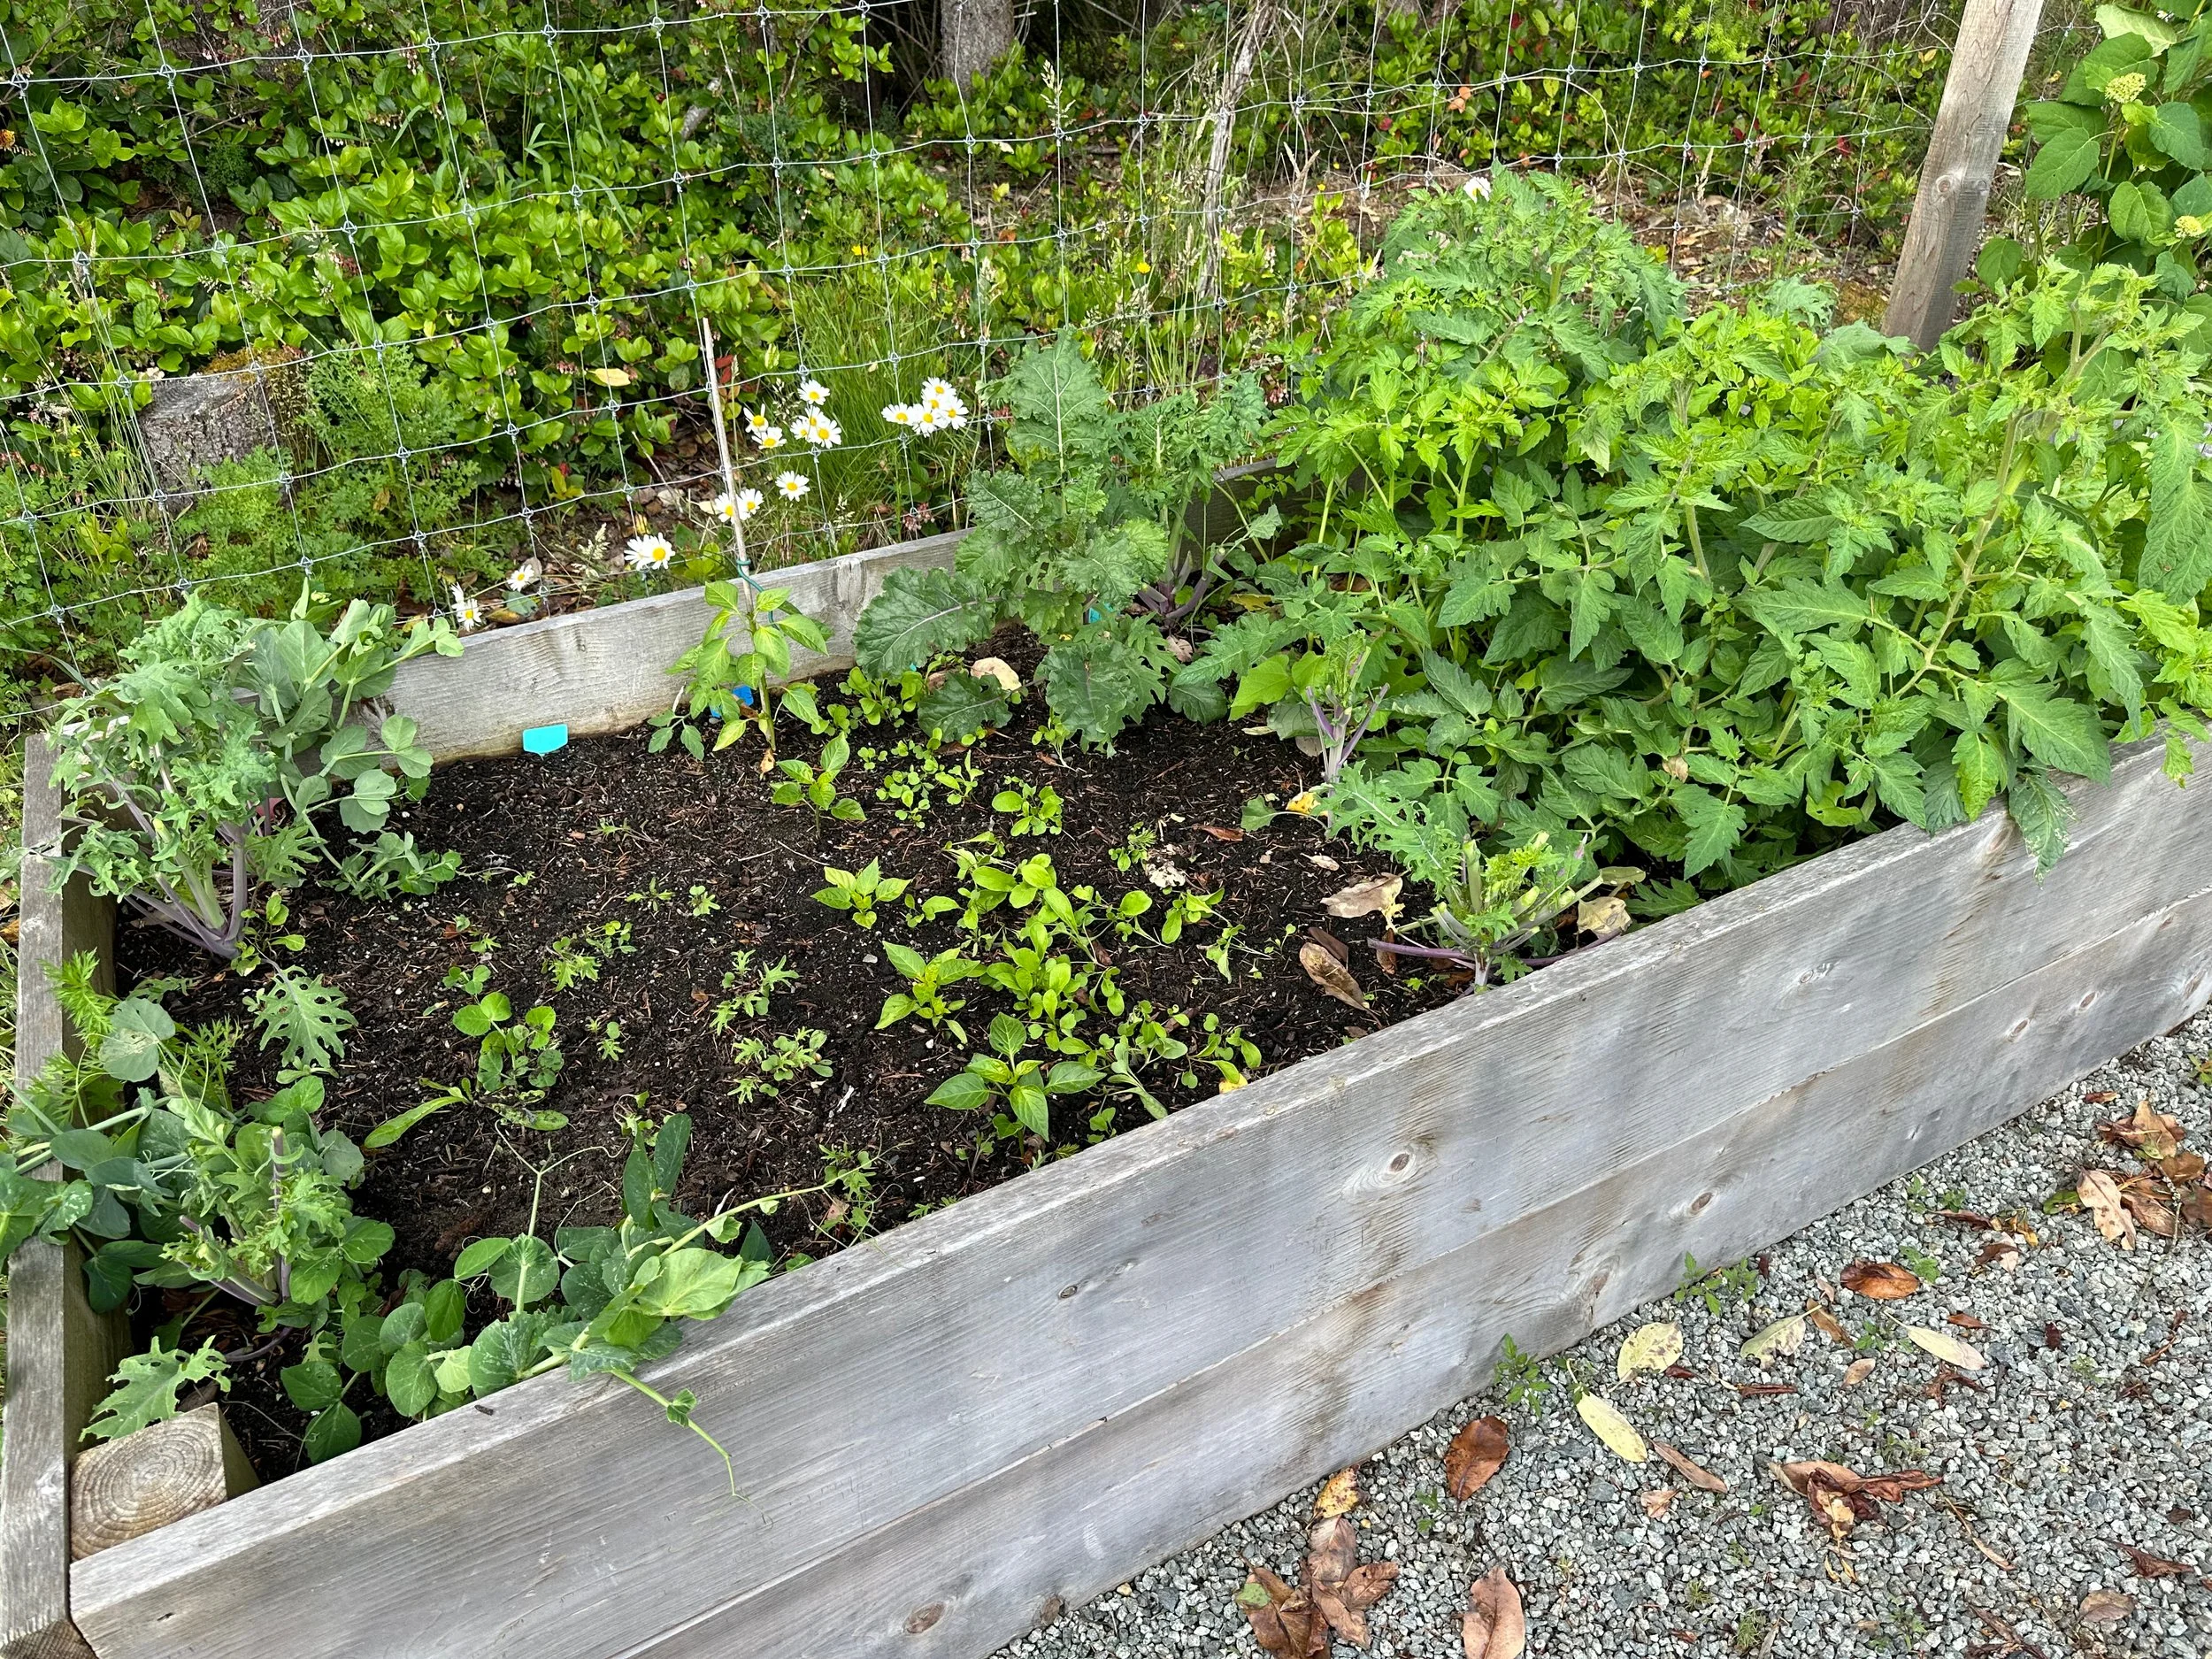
(406, 298)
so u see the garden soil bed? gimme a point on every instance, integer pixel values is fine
(605, 831)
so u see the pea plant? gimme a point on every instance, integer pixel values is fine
(202, 773)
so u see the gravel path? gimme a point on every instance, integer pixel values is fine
(2092, 1429)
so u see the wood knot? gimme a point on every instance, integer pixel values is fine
(922, 1619)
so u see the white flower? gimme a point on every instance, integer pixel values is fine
(755, 421)
(730, 509)
(790, 486)
(900, 414)
(813, 394)
(650, 552)
(524, 575)
(767, 436)
(937, 391)
(818, 429)
(467, 611)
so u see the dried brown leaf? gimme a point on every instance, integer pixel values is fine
(1493, 1627)
(2099, 1196)
(1331, 1551)
(1331, 943)
(2149, 1566)
(1332, 976)
(1378, 895)
(1703, 1479)
(1221, 834)
(1603, 918)
(2106, 1607)
(1893, 1488)
(1880, 1281)
(1857, 1372)
(995, 670)
(1367, 1583)
(1967, 1322)
(1826, 1323)
(1656, 1503)
(1340, 1494)
(2182, 1166)
(2151, 1212)
(1476, 1452)
(2196, 1208)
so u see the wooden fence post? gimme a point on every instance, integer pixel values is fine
(1990, 56)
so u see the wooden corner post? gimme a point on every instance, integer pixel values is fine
(60, 1353)
(1986, 63)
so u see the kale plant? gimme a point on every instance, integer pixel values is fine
(203, 772)
(1087, 540)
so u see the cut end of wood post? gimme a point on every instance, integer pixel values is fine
(145, 1480)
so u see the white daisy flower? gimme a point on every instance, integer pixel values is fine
(748, 503)
(467, 611)
(791, 486)
(650, 552)
(937, 391)
(813, 394)
(818, 429)
(524, 575)
(768, 437)
(900, 414)
(731, 509)
(755, 421)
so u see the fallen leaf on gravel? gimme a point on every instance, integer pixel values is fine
(1999, 1253)
(2106, 1607)
(1656, 1503)
(1283, 1621)
(2102, 1096)
(1476, 1452)
(1893, 1488)
(1763, 1390)
(1945, 1346)
(2196, 1208)
(1331, 1551)
(1857, 1372)
(1605, 918)
(1946, 1379)
(1605, 1422)
(1331, 975)
(2099, 1196)
(1967, 1322)
(2182, 1166)
(1378, 895)
(1340, 1494)
(2053, 1337)
(1785, 1336)
(1493, 1628)
(2149, 1566)
(2150, 1211)
(1880, 1281)
(1681, 1373)
(1221, 834)
(2151, 1133)
(1965, 1218)
(1829, 1488)
(1826, 1324)
(1649, 1347)
(1703, 1479)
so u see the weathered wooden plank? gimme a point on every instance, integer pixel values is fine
(60, 1353)
(604, 671)
(875, 1384)
(1988, 59)
(1082, 1515)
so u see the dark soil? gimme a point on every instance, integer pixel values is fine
(604, 831)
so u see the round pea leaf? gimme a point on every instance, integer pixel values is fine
(333, 1430)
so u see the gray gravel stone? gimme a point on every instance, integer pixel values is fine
(2064, 1454)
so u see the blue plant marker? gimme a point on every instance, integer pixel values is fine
(543, 739)
(745, 695)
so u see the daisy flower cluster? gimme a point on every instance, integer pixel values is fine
(650, 552)
(940, 407)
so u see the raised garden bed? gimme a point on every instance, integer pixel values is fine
(945, 1436)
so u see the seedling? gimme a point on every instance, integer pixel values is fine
(857, 893)
(815, 786)
(764, 1064)
(1035, 809)
(516, 1063)
(1025, 1085)
(750, 988)
(927, 980)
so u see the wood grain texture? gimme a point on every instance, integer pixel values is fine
(123, 1489)
(1988, 59)
(604, 671)
(60, 1352)
(899, 1412)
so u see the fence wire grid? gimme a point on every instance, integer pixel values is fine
(408, 304)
